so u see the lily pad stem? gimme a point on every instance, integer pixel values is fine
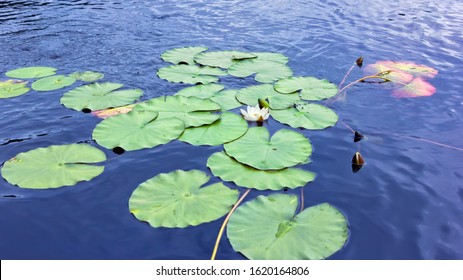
(225, 222)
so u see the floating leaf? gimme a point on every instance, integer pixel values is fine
(137, 130)
(192, 111)
(266, 71)
(190, 74)
(226, 129)
(201, 91)
(251, 95)
(417, 70)
(87, 76)
(269, 56)
(31, 72)
(286, 148)
(226, 99)
(182, 55)
(54, 166)
(176, 200)
(12, 88)
(389, 74)
(306, 115)
(418, 87)
(106, 113)
(52, 83)
(222, 59)
(99, 96)
(242, 175)
(311, 88)
(267, 228)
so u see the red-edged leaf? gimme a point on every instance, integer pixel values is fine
(416, 88)
(392, 75)
(417, 70)
(106, 113)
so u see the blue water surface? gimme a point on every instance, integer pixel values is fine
(406, 203)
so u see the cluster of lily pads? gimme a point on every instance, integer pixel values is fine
(267, 227)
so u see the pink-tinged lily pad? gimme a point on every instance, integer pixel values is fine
(416, 88)
(106, 113)
(417, 70)
(392, 75)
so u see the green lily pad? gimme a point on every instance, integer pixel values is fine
(13, 88)
(266, 71)
(269, 56)
(31, 72)
(176, 200)
(242, 175)
(54, 166)
(226, 99)
(99, 96)
(306, 115)
(190, 74)
(311, 88)
(192, 111)
(255, 148)
(52, 83)
(201, 91)
(251, 95)
(226, 129)
(106, 113)
(222, 59)
(182, 55)
(87, 76)
(267, 228)
(137, 130)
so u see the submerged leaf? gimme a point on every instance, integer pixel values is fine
(177, 200)
(251, 95)
(87, 76)
(106, 113)
(266, 71)
(242, 175)
(306, 115)
(54, 166)
(255, 148)
(52, 83)
(267, 228)
(190, 74)
(13, 88)
(201, 91)
(311, 88)
(418, 87)
(31, 72)
(222, 59)
(182, 55)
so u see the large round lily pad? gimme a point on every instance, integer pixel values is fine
(311, 88)
(190, 74)
(228, 128)
(176, 200)
(13, 88)
(33, 72)
(255, 148)
(192, 111)
(266, 71)
(251, 95)
(201, 91)
(54, 166)
(230, 170)
(267, 228)
(226, 99)
(87, 76)
(52, 83)
(137, 130)
(99, 96)
(222, 59)
(306, 115)
(269, 56)
(182, 55)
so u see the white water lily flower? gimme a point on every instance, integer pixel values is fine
(255, 114)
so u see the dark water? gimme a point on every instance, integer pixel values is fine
(406, 203)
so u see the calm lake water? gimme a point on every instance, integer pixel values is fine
(406, 203)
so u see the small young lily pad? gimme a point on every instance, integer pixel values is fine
(226, 99)
(33, 72)
(269, 56)
(222, 59)
(306, 115)
(226, 129)
(192, 111)
(106, 113)
(13, 88)
(190, 74)
(251, 95)
(230, 170)
(182, 55)
(54, 166)
(268, 228)
(201, 91)
(286, 148)
(177, 200)
(87, 76)
(99, 96)
(137, 130)
(52, 83)
(266, 71)
(311, 88)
